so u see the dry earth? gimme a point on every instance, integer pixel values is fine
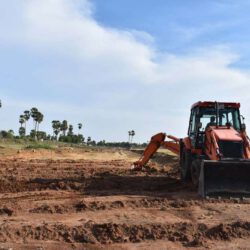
(89, 199)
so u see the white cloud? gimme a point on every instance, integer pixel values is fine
(126, 80)
(59, 25)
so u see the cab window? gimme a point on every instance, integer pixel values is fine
(207, 117)
(192, 122)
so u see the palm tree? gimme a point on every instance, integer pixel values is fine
(70, 133)
(21, 120)
(26, 117)
(33, 114)
(129, 134)
(56, 125)
(39, 119)
(64, 127)
(132, 135)
(88, 140)
(21, 131)
(79, 127)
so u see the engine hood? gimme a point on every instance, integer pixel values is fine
(226, 134)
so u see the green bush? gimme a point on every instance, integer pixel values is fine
(39, 146)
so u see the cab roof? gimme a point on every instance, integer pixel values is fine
(211, 104)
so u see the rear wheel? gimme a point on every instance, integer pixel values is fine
(195, 172)
(185, 162)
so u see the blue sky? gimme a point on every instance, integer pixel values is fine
(180, 26)
(117, 65)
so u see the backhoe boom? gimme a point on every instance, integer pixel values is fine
(155, 143)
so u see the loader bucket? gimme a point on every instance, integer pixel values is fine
(225, 178)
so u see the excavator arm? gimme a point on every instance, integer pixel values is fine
(155, 143)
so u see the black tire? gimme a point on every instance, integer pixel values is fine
(195, 172)
(185, 164)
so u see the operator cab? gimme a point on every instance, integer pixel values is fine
(211, 123)
(206, 114)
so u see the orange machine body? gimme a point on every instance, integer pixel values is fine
(209, 147)
(215, 155)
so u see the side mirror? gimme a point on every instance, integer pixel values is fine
(199, 125)
(243, 126)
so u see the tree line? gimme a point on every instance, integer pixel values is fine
(63, 131)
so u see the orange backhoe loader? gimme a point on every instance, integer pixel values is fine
(216, 153)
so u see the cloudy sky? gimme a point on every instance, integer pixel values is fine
(116, 65)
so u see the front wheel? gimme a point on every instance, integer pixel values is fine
(195, 172)
(185, 162)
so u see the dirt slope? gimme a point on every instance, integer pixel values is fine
(89, 199)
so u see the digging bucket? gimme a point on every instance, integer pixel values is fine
(225, 178)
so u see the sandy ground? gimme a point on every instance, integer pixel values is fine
(89, 199)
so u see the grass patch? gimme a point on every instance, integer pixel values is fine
(40, 146)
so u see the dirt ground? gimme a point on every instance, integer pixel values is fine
(89, 199)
